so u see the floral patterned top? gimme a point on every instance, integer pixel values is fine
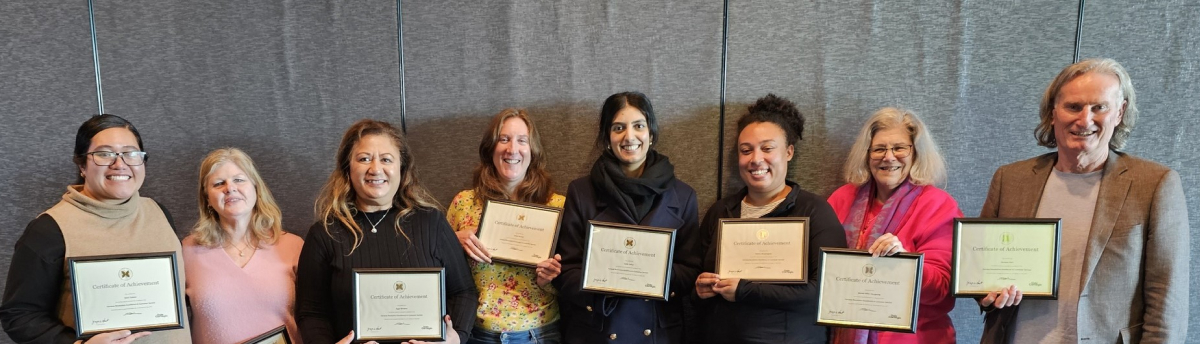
(509, 297)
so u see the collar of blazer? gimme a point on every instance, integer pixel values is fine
(1114, 187)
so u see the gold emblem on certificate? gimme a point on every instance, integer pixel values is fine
(875, 293)
(278, 335)
(519, 233)
(990, 254)
(763, 250)
(628, 260)
(399, 304)
(136, 292)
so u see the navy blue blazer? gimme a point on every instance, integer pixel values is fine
(597, 318)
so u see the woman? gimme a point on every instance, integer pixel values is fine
(516, 303)
(735, 311)
(629, 183)
(102, 216)
(241, 265)
(372, 213)
(890, 206)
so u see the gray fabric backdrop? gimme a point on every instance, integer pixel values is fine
(282, 80)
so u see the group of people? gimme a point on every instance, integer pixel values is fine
(1124, 232)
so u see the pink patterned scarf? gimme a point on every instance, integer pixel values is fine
(888, 221)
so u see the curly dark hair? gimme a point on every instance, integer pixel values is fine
(776, 110)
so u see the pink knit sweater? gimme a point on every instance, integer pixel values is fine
(232, 304)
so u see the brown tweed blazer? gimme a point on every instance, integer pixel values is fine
(1134, 287)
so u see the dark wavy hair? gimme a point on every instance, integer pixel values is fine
(619, 101)
(336, 202)
(93, 126)
(776, 110)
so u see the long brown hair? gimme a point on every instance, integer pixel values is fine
(337, 201)
(537, 187)
(266, 224)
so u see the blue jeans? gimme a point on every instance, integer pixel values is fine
(547, 334)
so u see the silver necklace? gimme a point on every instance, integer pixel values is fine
(375, 223)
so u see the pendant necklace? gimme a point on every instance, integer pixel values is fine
(240, 252)
(376, 223)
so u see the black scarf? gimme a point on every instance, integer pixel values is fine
(635, 196)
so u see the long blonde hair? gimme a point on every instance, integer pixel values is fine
(266, 221)
(337, 199)
(928, 166)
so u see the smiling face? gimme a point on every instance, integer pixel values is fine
(763, 155)
(629, 138)
(375, 172)
(118, 182)
(888, 170)
(230, 192)
(512, 156)
(1087, 111)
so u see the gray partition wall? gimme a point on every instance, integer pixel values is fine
(283, 79)
(465, 61)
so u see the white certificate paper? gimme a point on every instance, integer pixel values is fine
(136, 292)
(518, 233)
(628, 260)
(990, 254)
(763, 250)
(860, 291)
(399, 304)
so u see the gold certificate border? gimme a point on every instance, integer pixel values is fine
(536, 207)
(803, 248)
(282, 329)
(955, 270)
(666, 283)
(83, 334)
(916, 290)
(441, 276)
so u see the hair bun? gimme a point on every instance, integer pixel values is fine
(778, 110)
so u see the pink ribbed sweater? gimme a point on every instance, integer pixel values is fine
(232, 304)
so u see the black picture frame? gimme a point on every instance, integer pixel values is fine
(670, 251)
(441, 277)
(535, 207)
(911, 327)
(804, 228)
(957, 252)
(74, 265)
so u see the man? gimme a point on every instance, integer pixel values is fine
(1125, 235)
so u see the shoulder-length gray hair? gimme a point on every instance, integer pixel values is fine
(928, 167)
(1045, 129)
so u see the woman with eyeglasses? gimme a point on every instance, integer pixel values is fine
(241, 265)
(890, 205)
(102, 215)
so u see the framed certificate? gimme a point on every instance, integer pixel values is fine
(519, 233)
(400, 304)
(628, 260)
(136, 292)
(990, 254)
(770, 250)
(279, 335)
(874, 293)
